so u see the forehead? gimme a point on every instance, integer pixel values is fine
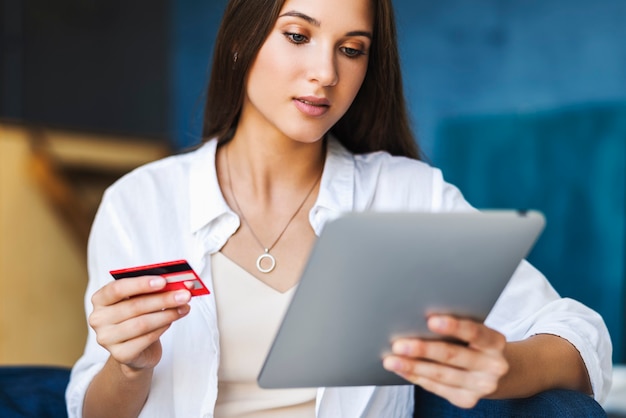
(349, 14)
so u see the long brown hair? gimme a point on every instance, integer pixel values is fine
(377, 120)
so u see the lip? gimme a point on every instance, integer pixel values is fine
(312, 105)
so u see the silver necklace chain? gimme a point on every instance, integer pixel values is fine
(266, 256)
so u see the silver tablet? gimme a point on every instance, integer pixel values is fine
(373, 277)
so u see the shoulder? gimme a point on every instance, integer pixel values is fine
(401, 183)
(396, 183)
(147, 213)
(167, 176)
(379, 164)
(382, 163)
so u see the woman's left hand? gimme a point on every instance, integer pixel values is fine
(462, 374)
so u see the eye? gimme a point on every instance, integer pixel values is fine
(352, 52)
(296, 38)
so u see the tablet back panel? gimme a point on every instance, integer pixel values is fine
(372, 277)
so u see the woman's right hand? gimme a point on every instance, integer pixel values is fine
(130, 315)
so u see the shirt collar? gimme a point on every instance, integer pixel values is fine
(205, 196)
(336, 194)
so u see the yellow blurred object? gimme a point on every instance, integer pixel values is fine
(51, 183)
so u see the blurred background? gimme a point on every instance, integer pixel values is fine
(522, 103)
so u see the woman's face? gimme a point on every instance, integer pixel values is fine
(309, 70)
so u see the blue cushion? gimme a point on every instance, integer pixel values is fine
(570, 163)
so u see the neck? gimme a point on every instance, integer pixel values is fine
(269, 166)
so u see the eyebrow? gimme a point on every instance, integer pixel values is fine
(309, 19)
(317, 23)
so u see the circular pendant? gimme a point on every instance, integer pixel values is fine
(272, 262)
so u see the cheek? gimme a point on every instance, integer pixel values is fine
(269, 70)
(272, 60)
(353, 79)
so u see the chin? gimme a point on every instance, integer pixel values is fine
(307, 134)
(308, 139)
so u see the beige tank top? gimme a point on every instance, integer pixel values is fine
(248, 315)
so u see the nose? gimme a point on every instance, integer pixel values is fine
(323, 67)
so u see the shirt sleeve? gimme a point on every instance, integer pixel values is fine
(108, 241)
(529, 305)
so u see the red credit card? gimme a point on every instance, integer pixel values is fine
(175, 272)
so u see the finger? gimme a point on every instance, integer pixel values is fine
(150, 303)
(451, 354)
(462, 398)
(414, 370)
(129, 352)
(411, 370)
(119, 290)
(139, 326)
(443, 381)
(474, 333)
(137, 306)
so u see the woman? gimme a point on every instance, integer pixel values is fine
(302, 94)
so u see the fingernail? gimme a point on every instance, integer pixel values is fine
(184, 310)
(392, 364)
(401, 348)
(436, 322)
(157, 282)
(182, 296)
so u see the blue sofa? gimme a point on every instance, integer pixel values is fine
(39, 392)
(33, 391)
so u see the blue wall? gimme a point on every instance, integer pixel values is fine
(493, 56)
(195, 24)
(469, 59)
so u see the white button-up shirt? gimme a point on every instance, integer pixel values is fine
(174, 209)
